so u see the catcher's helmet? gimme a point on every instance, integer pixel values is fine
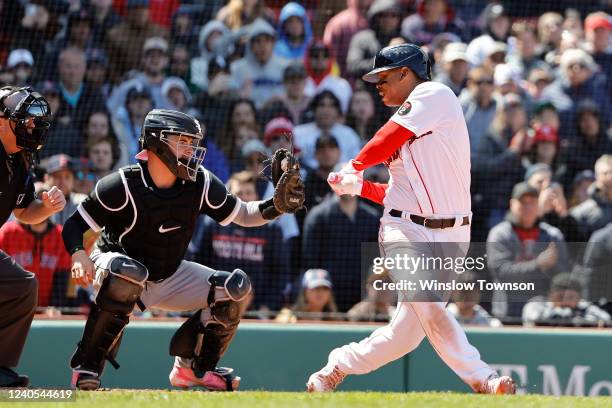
(29, 116)
(159, 125)
(401, 55)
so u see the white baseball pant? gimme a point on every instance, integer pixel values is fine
(413, 321)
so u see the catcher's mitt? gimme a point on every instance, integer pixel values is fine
(288, 186)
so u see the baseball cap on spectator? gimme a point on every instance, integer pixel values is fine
(443, 39)
(542, 106)
(565, 281)
(175, 82)
(155, 43)
(505, 74)
(137, 3)
(47, 88)
(80, 15)
(254, 146)
(277, 127)
(540, 74)
(522, 189)
(139, 90)
(497, 47)
(295, 70)
(545, 133)
(576, 56)
(584, 175)
(455, 52)
(597, 20)
(534, 169)
(494, 11)
(97, 56)
(587, 106)
(260, 27)
(57, 163)
(511, 100)
(325, 141)
(19, 56)
(316, 278)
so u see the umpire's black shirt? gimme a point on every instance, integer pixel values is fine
(16, 187)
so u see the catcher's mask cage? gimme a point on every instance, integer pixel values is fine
(182, 159)
(29, 115)
(186, 167)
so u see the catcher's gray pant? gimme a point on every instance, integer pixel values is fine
(420, 314)
(187, 289)
(18, 300)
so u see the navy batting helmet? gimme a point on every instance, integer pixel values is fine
(401, 55)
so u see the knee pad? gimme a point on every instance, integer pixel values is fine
(227, 291)
(206, 343)
(122, 286)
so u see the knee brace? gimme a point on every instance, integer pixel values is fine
(122, 285)
(206, 342)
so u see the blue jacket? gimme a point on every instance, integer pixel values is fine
(283, 48)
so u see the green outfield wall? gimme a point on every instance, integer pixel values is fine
(280, 357)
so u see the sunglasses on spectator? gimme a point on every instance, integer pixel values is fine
(319, 54)
(577, 65)
(483, 81)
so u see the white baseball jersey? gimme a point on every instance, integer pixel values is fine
(430, 173)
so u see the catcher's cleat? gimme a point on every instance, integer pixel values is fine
(498, 385)
(85, 380)
(220, 379)
(326, 379)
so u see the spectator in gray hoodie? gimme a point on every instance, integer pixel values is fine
(259, 74)
(215, 40)
(384, 17)
(521, 249)
(596, 212)
(597, 268)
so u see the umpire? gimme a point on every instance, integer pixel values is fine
(24, 123)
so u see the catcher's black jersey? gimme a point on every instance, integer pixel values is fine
(154, 226)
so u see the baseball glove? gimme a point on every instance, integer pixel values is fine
(288, 186)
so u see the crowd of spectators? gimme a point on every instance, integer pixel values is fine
(534, 81)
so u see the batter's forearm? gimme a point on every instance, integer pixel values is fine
(374, 191)
(385, 142)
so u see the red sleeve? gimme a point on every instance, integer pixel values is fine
(385, 142)
(374, 191)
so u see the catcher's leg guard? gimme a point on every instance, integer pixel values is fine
(206, 342)
(122, 285)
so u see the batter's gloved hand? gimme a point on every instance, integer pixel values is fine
(288, 186)
(346, 181)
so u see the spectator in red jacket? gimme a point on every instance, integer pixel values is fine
(39, 249)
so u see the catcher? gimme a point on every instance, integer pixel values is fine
(147, 213)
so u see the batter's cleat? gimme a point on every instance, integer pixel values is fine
(498, 385)
(85, 380)
(326, 379)
(220, 379)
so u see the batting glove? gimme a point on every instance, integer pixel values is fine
(346, 181)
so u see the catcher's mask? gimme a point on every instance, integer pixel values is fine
(29, 116)
(181, 157)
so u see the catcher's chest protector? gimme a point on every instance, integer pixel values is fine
(164, 223)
